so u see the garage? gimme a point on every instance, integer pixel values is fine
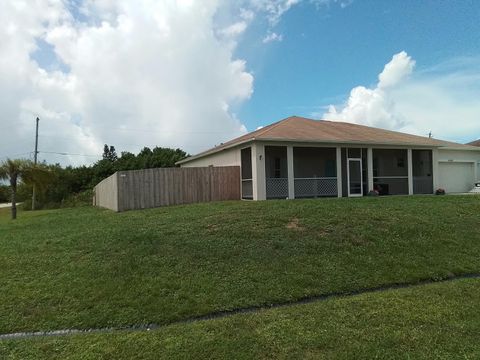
(456, 177)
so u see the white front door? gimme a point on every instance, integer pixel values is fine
(354, 177)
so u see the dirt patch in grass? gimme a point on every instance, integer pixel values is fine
(294, 224)
(211, 228)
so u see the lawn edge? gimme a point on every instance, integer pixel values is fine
(237, 311)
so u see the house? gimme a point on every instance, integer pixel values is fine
(474, 143)
(303, 158)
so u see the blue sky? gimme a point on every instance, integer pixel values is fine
(325, 52)
(192, 74)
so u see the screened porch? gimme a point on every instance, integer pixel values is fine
(314, 172)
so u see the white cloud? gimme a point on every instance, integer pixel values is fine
(374, 107)
(274, 8)
(142, 73)
(322, 3)
(272, 37)
(400, 67)
(443, 100)
(234, 29)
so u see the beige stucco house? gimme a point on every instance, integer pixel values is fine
(300, 158)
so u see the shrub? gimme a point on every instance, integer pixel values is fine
(4, 194)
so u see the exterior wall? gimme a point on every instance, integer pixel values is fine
(228, 157)
(106, 193)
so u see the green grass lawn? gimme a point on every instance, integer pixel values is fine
(85, 267)
(439, 321)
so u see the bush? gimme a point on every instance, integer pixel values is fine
(74, 200)
(81, 199)
(4, 194)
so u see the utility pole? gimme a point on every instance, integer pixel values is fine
(35, 162)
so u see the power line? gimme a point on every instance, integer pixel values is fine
(66, 154)
(13, 155)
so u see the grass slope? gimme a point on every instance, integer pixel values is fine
(82, 268)
(439, 321)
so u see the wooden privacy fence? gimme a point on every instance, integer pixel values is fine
(149, 188)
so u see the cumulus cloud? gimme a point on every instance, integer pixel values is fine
(140, 73)
(374, 106)
(443, 99)
(400, 67)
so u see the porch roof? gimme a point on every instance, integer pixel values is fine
(299, 129)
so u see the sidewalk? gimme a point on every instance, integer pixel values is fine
(7, 205)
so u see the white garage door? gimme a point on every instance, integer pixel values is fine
(456, 177)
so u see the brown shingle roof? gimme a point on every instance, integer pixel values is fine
(301, 129)
(474, 143)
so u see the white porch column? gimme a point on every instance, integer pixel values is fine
(339, 171)
(435, 169)
(475, 170)
(370, 168)
(290, 172)
(410, 171)
(258, 172)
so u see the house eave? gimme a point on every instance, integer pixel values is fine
(352, 142)
(214, 151)
(337, 142)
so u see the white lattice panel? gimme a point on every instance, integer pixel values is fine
(315, 187)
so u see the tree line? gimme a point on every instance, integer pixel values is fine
(73, 185)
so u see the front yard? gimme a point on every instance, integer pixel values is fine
(89, 268)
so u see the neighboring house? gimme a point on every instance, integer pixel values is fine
(474, 143)
(300, 158)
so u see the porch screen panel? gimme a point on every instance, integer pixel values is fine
(315, 171)
(247, 184)
(390, 171)
(276, 172)
(422, 171)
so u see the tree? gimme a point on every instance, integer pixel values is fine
(109, 153)
(27, 172)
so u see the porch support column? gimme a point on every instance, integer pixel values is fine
(370, 168)
(410, 171)
(339, 171)
(258, 172)
(435, 169)
(290, 172)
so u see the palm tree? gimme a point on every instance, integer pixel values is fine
(27, 172)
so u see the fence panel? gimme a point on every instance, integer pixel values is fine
(106, 193)
(142, 189)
